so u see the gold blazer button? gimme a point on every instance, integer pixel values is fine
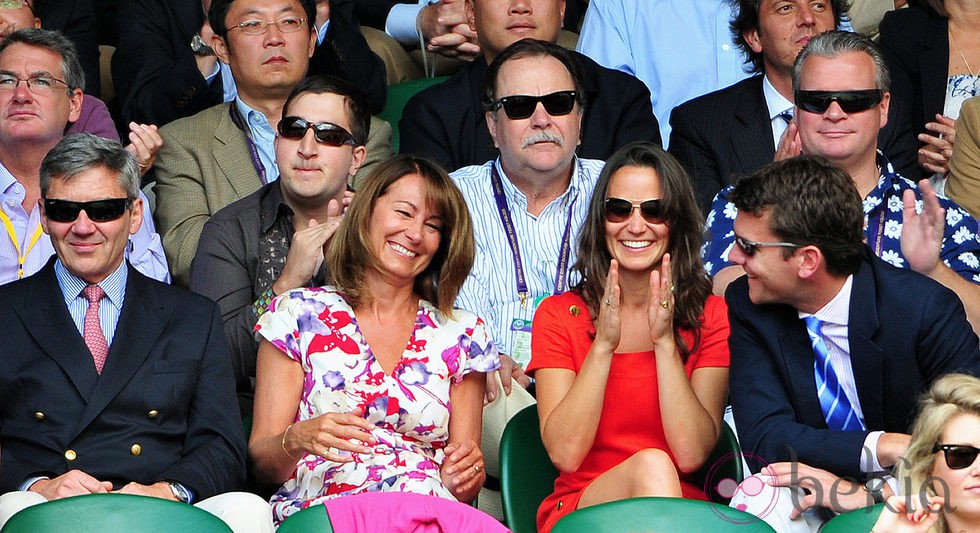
(70, 455)
(136, 449)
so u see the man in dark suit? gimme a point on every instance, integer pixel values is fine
(446, 123)
(113, 381)
(160, 78)
(734, 131)
(830, 345)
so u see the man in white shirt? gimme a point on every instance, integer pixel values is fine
(528, 204)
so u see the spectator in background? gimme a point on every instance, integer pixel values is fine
(226, 152)
(39, 96)
(680, 49)
(273, 240)
(160, 75)
(447, 124)
(735, 131)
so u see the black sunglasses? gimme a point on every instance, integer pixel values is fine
(326, 133)
(522, 106)
(617, 210)
(958, 456)
(749, 248)
(97, 211)
(849, 101)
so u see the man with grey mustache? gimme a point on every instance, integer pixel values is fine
(529, 203)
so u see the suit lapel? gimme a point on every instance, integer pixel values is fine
(47, 319)
(798, 357)
(752, 140)
(867, 357)
(232, 155)
(140, 325)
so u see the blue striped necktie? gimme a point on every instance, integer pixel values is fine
(837, 410)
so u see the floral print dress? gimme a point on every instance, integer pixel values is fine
(410, 408)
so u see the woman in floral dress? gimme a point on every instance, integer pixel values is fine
(387, 376)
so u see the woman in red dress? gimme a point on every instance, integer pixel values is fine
(632, 365)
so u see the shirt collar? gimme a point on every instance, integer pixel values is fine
(514, 194)
(272, 206)
(775, 102)
(114, 284)
(836, 311)
(252, 117)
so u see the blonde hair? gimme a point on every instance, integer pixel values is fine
(349, 254)
(949, 396)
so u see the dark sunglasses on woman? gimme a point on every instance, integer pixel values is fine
(617, 210)
(327, 133)
(97, 210)
(958, 456)
(522, 106)
(849, 101)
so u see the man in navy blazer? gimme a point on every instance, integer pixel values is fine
(733, 132)
(132, 393)
(878, 336)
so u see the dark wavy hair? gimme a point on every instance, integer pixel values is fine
(686, 230)
(748, 19)
(349, 253)
(809, 202)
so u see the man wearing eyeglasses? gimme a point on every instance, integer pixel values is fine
(734, 131)
(225, 153)
(273, 240)
(841, 102)
(39, 96)
(164, 66)
(130, 386)
(831, 346)
(529, 203)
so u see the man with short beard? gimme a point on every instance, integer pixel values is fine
(529, 203)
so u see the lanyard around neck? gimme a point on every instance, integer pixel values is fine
(253, 150)
(12, 233)
(561, 276)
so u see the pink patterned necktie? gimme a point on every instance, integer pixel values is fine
(94, 338)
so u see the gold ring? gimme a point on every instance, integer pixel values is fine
(607, 301)
(665, 304)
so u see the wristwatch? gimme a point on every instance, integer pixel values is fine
(876, 487)
(179, 492)
(199, 47)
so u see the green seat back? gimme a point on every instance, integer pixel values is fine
(637, 515)
(859, 521)
(313, 519)
(103, 513)
(724, 463)
(398, 96)
(526, 473)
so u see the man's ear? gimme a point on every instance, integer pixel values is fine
(492, 126)
(812, 261)
(752, 38)
(220, 48)
(886, 100)
(75, 105)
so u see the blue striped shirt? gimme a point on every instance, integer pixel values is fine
(109, 307)
(490, 290)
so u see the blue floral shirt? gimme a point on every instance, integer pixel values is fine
(883, 227)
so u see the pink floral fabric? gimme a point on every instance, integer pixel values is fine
(317, 328)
